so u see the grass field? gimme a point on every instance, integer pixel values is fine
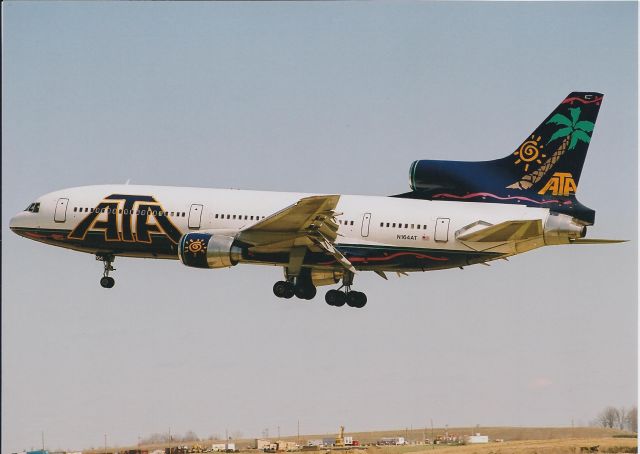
(526, 440)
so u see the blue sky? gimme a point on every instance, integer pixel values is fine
(313, 97)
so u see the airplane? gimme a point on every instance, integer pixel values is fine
(457, 214)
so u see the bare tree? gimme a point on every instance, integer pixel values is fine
(621, 418)
(190, 436)
(608, 417)
(631, 419)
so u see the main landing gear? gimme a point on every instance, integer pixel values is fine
(352, 298)
(107, 259)
(301, 286)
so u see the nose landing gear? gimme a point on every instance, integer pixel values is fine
(107, 259)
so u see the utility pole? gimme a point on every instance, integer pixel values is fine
(433, 440)
(298, 432)
(42, 440)
(278, 432)
(105, 443)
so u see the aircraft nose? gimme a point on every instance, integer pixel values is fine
(16, 222)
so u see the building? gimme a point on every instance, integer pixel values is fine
(477, 438)
(392, 441)
(261, 444)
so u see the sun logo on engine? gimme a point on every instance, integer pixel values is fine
(529, 152)
(195, 246)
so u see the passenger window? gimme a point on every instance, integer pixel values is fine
(418, 226)
(382, 224)
(387, 224)
(424, 227)
(393, 225)
(406, 226)
(412, 226)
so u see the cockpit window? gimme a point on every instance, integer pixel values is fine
(33, 208)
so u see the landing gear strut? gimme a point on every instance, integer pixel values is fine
(107, 259)
(352, 298)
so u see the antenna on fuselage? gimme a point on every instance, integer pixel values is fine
(128, 181)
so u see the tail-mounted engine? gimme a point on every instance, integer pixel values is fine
(562, 229)
(208, 250)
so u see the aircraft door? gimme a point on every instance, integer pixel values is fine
(366, 219)
(442, 229)
(195, 215)
(61, 210)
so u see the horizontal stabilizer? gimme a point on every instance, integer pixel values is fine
(595, 241)
(504, 232)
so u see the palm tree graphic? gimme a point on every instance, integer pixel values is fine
(572, 130)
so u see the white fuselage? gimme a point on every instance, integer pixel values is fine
(364, 221)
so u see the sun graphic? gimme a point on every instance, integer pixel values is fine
(529, 152)
(195, 246)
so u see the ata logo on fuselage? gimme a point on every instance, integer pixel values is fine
(561, 183)
(130, 218)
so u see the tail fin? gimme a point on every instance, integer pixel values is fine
(543, 171)
(550, 160)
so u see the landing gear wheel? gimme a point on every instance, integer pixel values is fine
(279, 289)
(283, 289)
(107, 260)
(352, 299)
(305, 292)
(107, 282)
(356, 299)
(289, 291)
(335, 298)
(331, 296)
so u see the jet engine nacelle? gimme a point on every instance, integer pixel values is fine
(562, 229)
(209, 250)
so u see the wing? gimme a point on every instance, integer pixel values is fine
(309, 223)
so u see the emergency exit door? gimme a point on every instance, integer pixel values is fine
(366, 219)
(442, 229)
(61, 210)
(195, 216)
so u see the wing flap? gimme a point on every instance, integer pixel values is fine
(310, 222)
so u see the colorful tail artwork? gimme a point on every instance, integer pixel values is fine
(544, 170)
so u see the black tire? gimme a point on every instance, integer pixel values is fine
(353, 299)
(279, 289)
(341, 298)
(306, 292)
(289, 290)
(362, 300)
(112, 282)
(330, 297)
(105, 282)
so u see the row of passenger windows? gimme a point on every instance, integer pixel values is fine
(238, 217)
(406, 226)
(121, 211)
(345, 222)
